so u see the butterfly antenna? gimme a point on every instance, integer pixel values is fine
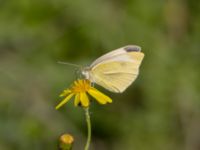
(70, 64)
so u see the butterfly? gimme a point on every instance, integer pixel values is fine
(116, 70)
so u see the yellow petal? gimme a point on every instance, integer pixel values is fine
(77, 99)
(84, 99)
(100, 97)
(64, 101)
(65, 92)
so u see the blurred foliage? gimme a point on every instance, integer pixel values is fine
(159, 111)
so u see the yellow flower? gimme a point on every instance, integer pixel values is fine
(80, 89)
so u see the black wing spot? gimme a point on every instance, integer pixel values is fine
(132, 49)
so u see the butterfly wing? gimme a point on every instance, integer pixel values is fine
(116, 70)
(115, 54)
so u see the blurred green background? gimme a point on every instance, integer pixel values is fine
(160, 111)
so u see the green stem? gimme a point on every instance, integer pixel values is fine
(87, 115)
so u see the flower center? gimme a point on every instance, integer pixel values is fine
(81, 86)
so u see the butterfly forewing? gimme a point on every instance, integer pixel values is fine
(116, 53)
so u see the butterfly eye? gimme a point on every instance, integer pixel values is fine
(78, 73)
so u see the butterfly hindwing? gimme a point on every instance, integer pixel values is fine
(117, 72)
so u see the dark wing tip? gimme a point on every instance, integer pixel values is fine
(132, 48)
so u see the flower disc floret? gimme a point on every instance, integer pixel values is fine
(80, 86)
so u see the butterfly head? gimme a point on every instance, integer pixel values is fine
(86, 72)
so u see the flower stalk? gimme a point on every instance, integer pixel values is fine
(88, 121)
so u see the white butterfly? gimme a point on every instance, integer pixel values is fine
(117, 69)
